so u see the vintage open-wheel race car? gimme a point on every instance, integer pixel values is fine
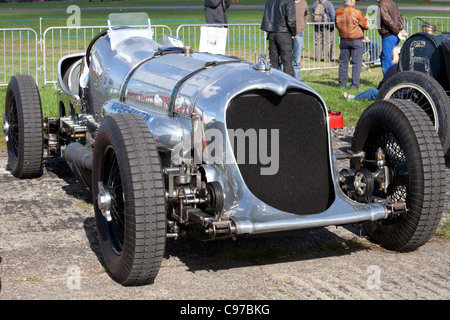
(174, 143)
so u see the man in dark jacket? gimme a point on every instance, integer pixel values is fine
(388, 30)
(215, 11)
(279, 21)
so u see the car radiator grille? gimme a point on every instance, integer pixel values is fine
(302, 183)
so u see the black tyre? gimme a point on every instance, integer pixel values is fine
(414, 156)
(23, 129)
(127, 174)
(427, 93)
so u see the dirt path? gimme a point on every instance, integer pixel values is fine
(49, 250)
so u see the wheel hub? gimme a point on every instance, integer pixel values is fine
(364, 185)
(360, 185)
(104, 201)
(5, 127)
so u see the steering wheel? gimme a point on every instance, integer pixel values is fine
(91, 44)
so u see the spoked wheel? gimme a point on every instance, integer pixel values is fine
(22, 125)
(427, 93)
(129, 202)
(415, 160)
(111, 200)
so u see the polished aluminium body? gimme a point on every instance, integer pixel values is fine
(177, 92)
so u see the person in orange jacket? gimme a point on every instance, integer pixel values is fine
(351, 24)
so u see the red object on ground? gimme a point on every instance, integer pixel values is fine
(336, 119)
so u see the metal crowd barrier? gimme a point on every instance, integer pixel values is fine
(19, 47)
(245, 41)
(60, 41)
(442, 24)
(248, 41)
(18, 53)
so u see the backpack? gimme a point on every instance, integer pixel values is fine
(320, 12)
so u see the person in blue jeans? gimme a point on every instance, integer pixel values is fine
(388, 29)
(387, 45)
(302, 14)
(298, 50)
(371, 94)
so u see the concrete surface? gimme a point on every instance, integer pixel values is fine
(49, 250)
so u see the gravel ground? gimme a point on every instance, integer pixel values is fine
(49, 250)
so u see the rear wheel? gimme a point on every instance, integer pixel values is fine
(129, 202)
(415, 159)
(427, 93)
(22, 125)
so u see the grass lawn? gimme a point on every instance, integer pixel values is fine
(326, 84)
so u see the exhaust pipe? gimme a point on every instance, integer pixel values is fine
(79, 158)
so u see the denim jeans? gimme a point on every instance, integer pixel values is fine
(353, 49)
(368, 95)
(387, 45)
(298, 50)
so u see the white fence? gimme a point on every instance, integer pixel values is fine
(245, 41)
(442, 24)
(23, 51)
(60, 41)
(248, 41)
(18, 53)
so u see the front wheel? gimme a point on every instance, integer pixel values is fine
(128, 192)
(415, 159)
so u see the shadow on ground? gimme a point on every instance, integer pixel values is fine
(227, 254)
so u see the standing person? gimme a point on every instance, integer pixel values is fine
(371, 94)
(323, 11)
(215, 11)
(279, 22)
(351, 24)
(388, 28)
(302, 14)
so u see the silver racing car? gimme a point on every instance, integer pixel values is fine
(175, 143)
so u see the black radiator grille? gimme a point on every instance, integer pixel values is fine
(302, 184)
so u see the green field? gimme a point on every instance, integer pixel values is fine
(324, 81)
